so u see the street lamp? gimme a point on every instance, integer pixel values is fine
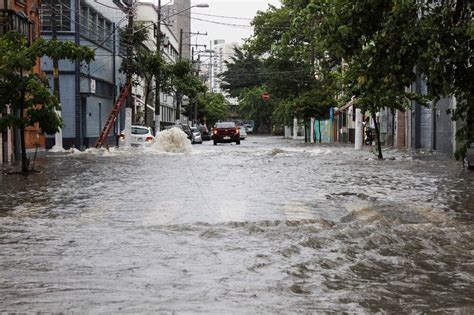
(158, 49)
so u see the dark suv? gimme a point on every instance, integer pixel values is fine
(226, 132)
(205, 134)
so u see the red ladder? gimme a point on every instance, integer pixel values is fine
(112, 117)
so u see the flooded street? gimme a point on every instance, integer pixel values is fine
(270, 226)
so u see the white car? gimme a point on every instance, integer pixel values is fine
(249, 128)
(243, 133)
(141, 136)
(197, 138)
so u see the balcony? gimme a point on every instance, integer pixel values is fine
(14, 21)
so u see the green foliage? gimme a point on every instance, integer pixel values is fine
(253, 107)
(28, 93)
(183, 80)
(379, 42)
(213, 107)
(245, 70)
(448, 31)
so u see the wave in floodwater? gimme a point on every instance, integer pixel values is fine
(172, 140)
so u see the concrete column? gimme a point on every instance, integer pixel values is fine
(287, 132)
(9, 145)
(295, 128)
(454, 125)
(128, 127)
(157, 124)
(311, 137)
(58, 138)
(359, 132)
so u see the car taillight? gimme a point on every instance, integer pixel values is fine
(149, 139)
(238, 130)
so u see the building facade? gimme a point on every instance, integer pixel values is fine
(147, 14)
(21, 16)
(87, 91)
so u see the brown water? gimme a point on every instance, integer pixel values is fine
(265, 227)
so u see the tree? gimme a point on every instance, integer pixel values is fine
(380, 42)
(183, 81)
(448, 31)
(244, 70)
(145, 64)
(26, 92)
(252, 106)
(213, 107)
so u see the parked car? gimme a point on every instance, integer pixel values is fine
(196, 136)
(225, 132)
(185, 128)
(205, 134)
(142, 136)
(469, 158)
(243, 133)
(249, 128)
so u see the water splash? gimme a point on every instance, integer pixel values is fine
(173, 140)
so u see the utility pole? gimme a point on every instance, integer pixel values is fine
(128, 109)
(178, 93)
(158, 74)
(180, 44)
(58, 145)
(77, 83)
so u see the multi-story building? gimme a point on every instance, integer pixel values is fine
(147, 13)
(21, 16)
(222, 52)
(178, 16)
(87, 91)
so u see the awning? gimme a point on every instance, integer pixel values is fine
(343, 108)
(143, 103)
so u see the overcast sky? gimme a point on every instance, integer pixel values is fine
(245, 10)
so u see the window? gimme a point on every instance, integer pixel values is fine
(104, 89)
(63, 15)
(139, 131)
(91, 25)
(100, 30)
(83, 19)
(225, 125)
(108, 35)
(45, 15)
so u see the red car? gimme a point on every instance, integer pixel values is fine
(226, 132)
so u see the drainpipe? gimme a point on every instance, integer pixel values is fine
(295, 128)
(77, 80)
(114, 79)
(359, 134)
(433, 125)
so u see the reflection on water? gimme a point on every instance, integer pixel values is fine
(266, 227)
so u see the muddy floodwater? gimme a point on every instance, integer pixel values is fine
(270, 226)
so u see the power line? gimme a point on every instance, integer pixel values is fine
(223, 16)
(242, 25)
(222, 23)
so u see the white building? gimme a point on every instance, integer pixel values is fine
(222, 52)
(147, 13)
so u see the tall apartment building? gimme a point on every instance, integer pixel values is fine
(178, 16)
(222, 52)
(21, 16)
